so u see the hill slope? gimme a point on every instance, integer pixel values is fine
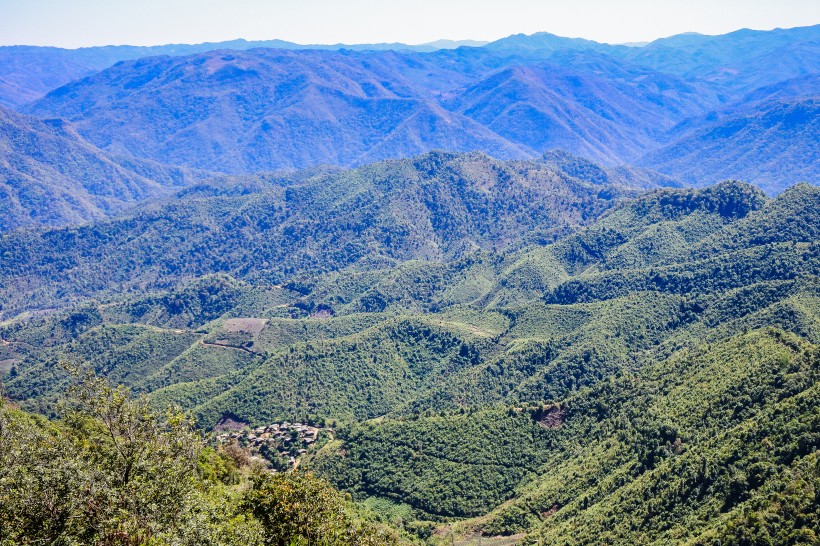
(532, 324)
(434, 207)
(27, 73)
(595, 115)
(50, 176)
(662, 461)
(771, 145)
(266, 110)
(465, 356)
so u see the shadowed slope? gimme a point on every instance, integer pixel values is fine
(50, 176)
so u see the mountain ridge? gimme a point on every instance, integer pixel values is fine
(268, 109)
(550, 346)
(760, 144)
(20, 85)
(462, 324)
(50, 176)
(432, 207)
(387, 101)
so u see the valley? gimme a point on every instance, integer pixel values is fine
(539, 290)
(418, 361)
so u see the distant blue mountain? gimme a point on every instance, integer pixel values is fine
(244, 108)
(50, 176)
(773, 144)
(600, 113)
(739, 61)
(542, 42)
(267, 109)
(29, 72)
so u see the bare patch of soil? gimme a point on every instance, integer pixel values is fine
(244, 325)
(552, 417)
(231, 422)
(5, 365)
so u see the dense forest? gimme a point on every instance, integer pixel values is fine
(643, 372)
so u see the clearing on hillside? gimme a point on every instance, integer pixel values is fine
(244, 325)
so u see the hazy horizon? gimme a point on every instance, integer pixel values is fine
(73, 24)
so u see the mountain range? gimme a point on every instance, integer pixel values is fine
(250, 109)
(759, 144)
(434, 207)
(50, 175)
(29, 72)
(538, 291)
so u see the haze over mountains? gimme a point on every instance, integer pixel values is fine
(759, 143)
(50, 176)
(29, 72)
(245, 108)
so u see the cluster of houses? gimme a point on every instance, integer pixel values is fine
(278, 442)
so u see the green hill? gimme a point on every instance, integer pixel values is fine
(501, 347)
(715, 442)
(271, 230)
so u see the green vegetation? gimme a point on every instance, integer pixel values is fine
(441, 349)
(112, 471)
(287, 232)
(641, 374)
(715, 441)
(678, 463)
(461, 464)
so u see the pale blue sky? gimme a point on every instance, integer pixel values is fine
(76, 23)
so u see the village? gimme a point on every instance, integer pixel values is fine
(280, 444)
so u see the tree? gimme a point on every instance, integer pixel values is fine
(298, 508)
(112, 471)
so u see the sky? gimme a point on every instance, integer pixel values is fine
(79, 23)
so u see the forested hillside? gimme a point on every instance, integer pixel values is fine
(112, 470)
(434, 207)
(242, 109)
(50, 176)
(540, 291)
(658, 330)
(772, 145)
(638, 459)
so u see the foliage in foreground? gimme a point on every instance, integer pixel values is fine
(114, 472)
